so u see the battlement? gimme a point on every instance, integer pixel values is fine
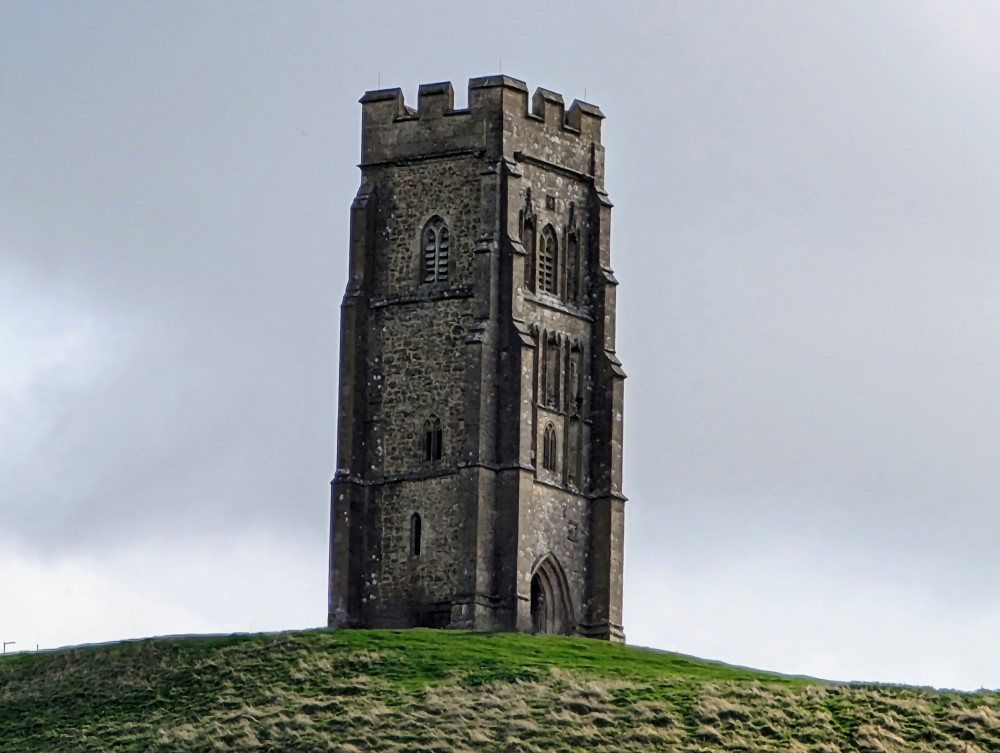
(488, 96)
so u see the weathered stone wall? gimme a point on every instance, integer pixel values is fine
(557, 521)
(418, 332)
(493, 355)
(409, 195)
(422, 372)
(415, 584)
(556, 515)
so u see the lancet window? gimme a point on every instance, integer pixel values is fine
(549, 448)
(574, 383)
(548, 262)
(432, 438)
(435, 250)
(553, 373)
(552, 370)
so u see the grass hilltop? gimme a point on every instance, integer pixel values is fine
(422, 690)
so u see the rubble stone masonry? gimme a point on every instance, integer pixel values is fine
(478, 480)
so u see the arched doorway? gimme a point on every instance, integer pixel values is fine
(551, 610)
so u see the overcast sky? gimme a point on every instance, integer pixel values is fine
(806, 233)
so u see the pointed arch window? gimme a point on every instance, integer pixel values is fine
(548, 261)
(415, 535)
(549, 448)
(434, 245)
(552, 371)
(432, 438)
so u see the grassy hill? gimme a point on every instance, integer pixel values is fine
(445, 691)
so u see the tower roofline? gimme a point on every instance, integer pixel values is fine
(487, 82)
(382, 107)
(479, 433)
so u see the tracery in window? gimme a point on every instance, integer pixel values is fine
(432, 438)
(549, 448)
(435, 250)
(548, 262)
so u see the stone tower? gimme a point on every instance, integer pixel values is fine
(479, 463)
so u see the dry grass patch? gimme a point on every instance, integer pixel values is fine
(352, 691)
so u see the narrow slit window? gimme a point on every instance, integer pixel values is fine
(432, 438)
(415, 534)
(528, 241)
(553, 373)
(574, 384)
(435, 250)
(573, 270)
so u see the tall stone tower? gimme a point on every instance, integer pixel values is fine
(479, 460)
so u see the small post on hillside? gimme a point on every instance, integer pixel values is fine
(7, 643)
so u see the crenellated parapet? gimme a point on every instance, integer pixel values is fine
(498, 122)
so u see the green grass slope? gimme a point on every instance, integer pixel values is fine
(422, 690)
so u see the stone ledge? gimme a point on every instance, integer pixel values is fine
(422, 296)
(556, 305)
(451, 154)
(542, 162)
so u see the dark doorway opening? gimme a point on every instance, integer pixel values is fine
(538, 606)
